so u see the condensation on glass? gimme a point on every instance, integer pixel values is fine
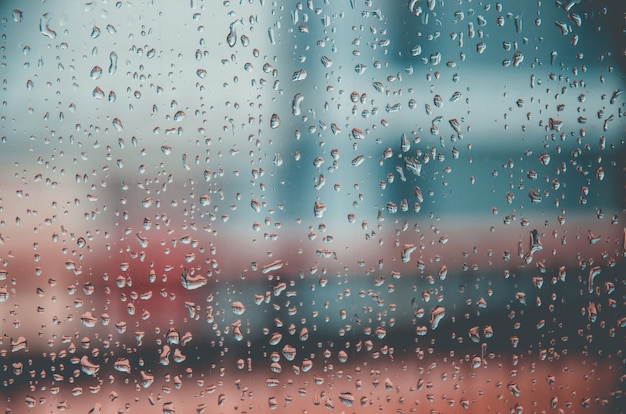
(354, 206)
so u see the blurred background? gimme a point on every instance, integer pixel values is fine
(301, 206)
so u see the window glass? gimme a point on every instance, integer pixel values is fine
(355, 206)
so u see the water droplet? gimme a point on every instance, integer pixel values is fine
(44, 27)
(97, 93)
(415, 8)
(358, 160)
(275, 338)
(278, 159)
(274, 121)
(256, 205)
(514, 389)
(360, 68)
(122, 365)
(112, 63)
(436, 315)
(88, 320)
(270, 267)
(19, 344)
(299, 75)
(88, 367)
(17, 15)
(95, 72)
(117, 123)
(95, 32)
(296, 104)
(289, 352)
(435, 58)
(231, 37)
(192, 282)
(319, 209)
(179, 116)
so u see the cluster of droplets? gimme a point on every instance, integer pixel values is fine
(204, 249)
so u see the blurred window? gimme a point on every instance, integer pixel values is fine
(247, 206)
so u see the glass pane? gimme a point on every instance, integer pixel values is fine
(361, 206)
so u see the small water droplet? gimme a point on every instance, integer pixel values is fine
(17, 15)
(117, 123)
(274, 121)
(326, 61)
(112, 63)
(296, 104)
(44, 27)
(95, 72)
(95, 32)
(299, 75)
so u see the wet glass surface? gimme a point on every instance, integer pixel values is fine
(355, 206)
